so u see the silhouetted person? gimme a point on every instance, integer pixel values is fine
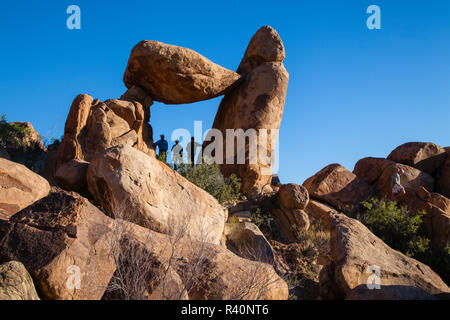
(191, 150)
(177, 154)
(162, 148)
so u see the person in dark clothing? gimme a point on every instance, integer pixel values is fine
(191, 150)
(177, 154)
(162, 148)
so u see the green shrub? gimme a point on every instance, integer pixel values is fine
(11, 135)
(398, 228)
(395, 225)
(263, 221)
(209, 178)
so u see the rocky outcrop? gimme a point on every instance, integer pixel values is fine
(57, 237)
(19, 187)
(318, 212)
(339, 187)
(355, 255)
(176, 75)
(424, 156)
(71, 175)
(249, 241)
(131, 185)
(16, 282)
(256, 103)
(94, 126)
(443, 176)
(29, 149)
(293, 196)
(292, 199)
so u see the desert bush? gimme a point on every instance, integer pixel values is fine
(399, 229)
(264, 221)
(395, 225)
(209, 178)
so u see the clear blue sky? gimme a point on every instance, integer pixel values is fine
(353, 92)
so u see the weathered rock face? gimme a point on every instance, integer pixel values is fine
(143, 190)
(292, 199)
(56, 237)
(424, 156)
(354, 249)
(264, 46)
(443, 176)
(19, 187)
(293, 196)
(176, 75)
(16, 282)
(256, 103)
(318, 212)
(71, 175)
(370, 169)
(93, 126)
(249, 241)
(30, 150)
(339, 187)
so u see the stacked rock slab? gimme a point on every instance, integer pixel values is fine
(256, 103)
(93, 126)
(176, 75)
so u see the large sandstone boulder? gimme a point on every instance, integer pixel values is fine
(19, 187)
(425, 156)
(292, 199)
(318, 212)
(131, 185)
(176, 75)
(94, 126)
(356, 253)
(249, 241)
(443, 176)
(338, 187)
(16, 282)
(255, 104)
(57, 237)
(293, 196)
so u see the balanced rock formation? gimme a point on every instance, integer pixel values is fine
(16, 282)
(339, 187)
(94, 126)
(355, 255)
(19, 187)
(176, 75)
(57, 236)
(425, 156)
(255, 104)
(131, 185)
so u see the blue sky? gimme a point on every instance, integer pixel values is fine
(353, 92)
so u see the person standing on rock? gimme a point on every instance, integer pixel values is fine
(397, 187)
(177, 154)
(162, 147)
(192, 149)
